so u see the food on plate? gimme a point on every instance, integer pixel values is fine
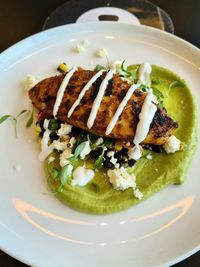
(112, 137)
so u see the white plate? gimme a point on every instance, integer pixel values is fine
(39, 230)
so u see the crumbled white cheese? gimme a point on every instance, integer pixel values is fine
(135, 152)
(117, 165)
(120, 179)
(86, 150)
(30, 81)
(65, 128)
(80, 48)
(81, 176)
(72, 141)
(60, 146)
(172, 145)
(113, 160)
(149, 156)
(99, 141)
(102, 53)
(64, 156)
(110, 153)
(51, 159)
(138, 194)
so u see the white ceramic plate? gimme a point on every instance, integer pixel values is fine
(35, 227)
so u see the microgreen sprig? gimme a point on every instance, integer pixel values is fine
(15, 119)
(68, 168)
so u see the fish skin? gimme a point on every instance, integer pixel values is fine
(43, 96)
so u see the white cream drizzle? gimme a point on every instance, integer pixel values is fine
(98, 98)
(120, 108)
(61, 90)
(84, 90)
(145, 118)
(144, 74)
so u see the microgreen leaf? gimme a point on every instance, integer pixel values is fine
(5, 117)
(144, 88)
(53, 125)
(60, 188)
(107, 142)
(96, 187)
(15, 126)
(125, 69)
(30, 120)
(22, 112)
(99, 161)
(65, 173)
(71, 160)
(98, 67)
(157, 93)
(79, 149)
(55, 173)
(156, 81)
(174, 84)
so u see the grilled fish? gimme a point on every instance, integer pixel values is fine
(43, 97)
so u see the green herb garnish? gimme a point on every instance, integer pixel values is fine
(53, 125)
(65, 173)
(96, 187)
(15, 119)
(98, 163)
(30, 119)
(55, 173)
(144, 88)
(156, 81)
(157, 93)
(98, 67)
(175, 84)
(107, 142)
(79, 149)
(5, 117)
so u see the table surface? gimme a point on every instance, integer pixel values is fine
(19, 19)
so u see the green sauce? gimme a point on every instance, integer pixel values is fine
(152, 175)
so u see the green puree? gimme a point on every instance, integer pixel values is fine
(151, 175)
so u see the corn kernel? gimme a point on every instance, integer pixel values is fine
(118, 145)
(63, 67)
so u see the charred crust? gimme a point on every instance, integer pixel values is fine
(109, 88)
(121, 95)
(138, 93)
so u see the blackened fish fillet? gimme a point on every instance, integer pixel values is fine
(43, 97)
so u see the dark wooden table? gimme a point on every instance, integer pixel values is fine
(19, 19)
